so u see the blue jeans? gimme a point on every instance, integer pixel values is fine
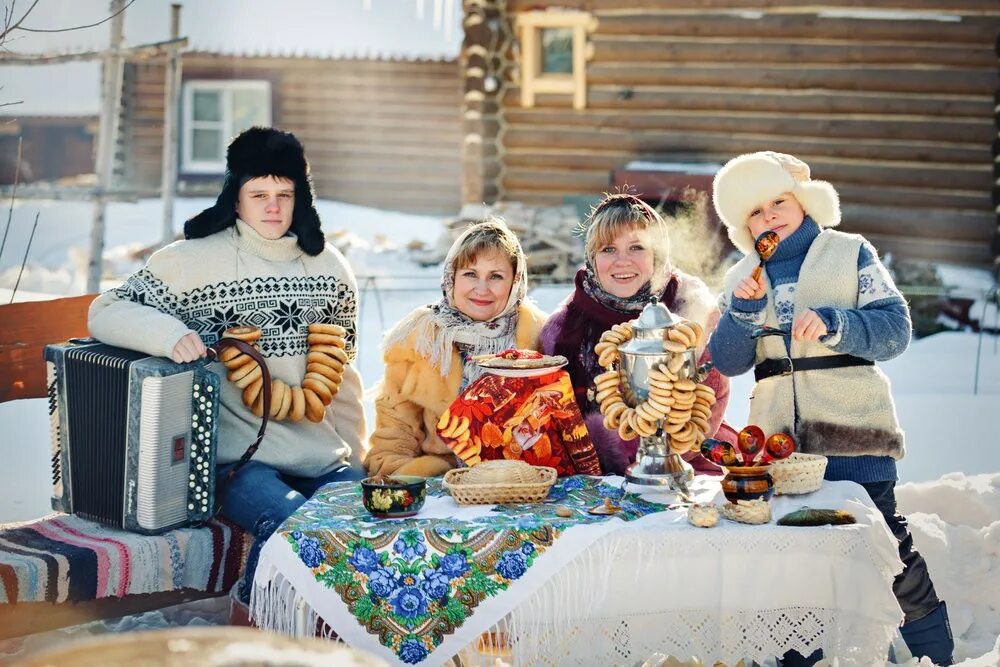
(259, 499)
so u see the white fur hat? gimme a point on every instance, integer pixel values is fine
(748, 180)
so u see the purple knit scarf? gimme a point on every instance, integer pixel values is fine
(586, 319)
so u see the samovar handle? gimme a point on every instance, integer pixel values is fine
(703, 371)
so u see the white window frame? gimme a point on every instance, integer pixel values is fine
(189, 165)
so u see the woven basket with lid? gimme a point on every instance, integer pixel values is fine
(799, 473)
(500, 481)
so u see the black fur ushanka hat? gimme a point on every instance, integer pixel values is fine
(256, 152)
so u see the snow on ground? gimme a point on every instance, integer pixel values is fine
(951, 474)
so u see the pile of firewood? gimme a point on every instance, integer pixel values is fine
(547, 234)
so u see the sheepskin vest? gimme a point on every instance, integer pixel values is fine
(836, 412)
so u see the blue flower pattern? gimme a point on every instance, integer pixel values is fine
(364, 559)
(383, 582)
(454, 565)
(429, 565)
(310, 550)
(410, 545)
(436, 584)
(512, 565)
(408, 600)
(412, 651)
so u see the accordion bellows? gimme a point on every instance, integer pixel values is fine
(133, 437)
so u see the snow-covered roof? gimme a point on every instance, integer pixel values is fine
(382, 29)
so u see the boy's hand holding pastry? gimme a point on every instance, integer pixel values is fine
(808, 326)
(750, 288)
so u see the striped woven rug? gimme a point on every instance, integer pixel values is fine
(65, 558)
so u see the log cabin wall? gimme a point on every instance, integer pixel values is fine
(380, 133)
(895, 107)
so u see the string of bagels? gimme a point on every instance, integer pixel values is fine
(681, 405)
(325, 363)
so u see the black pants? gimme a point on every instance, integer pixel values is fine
(913, 587)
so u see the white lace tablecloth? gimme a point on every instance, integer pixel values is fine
(658, 585)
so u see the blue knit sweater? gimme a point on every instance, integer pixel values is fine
(879, 329)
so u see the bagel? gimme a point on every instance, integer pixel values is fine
(329, 373)
(326, 339)
(330, 350)
(330, 328)
(246, 334)
(278, 391)
(251, 392)
(320, 388)
(315, 409)
(285, 405)
(238, 374)
(298, 409)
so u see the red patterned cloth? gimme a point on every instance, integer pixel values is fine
(534, 419)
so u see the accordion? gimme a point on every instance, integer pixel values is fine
(133, 436)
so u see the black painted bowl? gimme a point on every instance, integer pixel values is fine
(394, 497)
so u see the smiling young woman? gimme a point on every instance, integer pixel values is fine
(627, 250)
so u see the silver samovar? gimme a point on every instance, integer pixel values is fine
(655, 464)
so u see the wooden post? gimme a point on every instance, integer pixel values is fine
(171, 87)
(111, 93)
(482, 74)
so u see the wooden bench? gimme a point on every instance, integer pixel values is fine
(62, 570)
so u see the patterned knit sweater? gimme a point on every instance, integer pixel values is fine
(237, 277)
(878, 329)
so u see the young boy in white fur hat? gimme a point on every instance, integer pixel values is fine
(820, 383)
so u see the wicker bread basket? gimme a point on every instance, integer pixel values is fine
(500, 481)
(799, 473)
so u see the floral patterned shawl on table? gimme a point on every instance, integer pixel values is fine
(404, 589)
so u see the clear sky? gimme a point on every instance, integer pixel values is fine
(400, 28)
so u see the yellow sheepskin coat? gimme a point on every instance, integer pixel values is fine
(413, 396)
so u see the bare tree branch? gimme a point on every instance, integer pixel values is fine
(78, 27)
(8, 27)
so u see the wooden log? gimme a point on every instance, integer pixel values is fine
(444, 110)
(380, 125)
(645, 6)
(916, 222)
(381, 173)
(322, 152)
(651, 48)
(337, 98)
(882, 79)
(411, 203)
(963, 200)
(563, 147)
(25, 330)
(936, 250)
(873, 126)
(620, 96)
(347, 134)
(970, 30)
(579, 180)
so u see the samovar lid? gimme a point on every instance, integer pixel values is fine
(655, 317)
(649, 329)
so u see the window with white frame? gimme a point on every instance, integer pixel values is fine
(213, 113)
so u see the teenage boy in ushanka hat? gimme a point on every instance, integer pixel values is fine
(820, 383)
(257, 257)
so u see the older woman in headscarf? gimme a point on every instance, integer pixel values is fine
(429, 354)
(627, 252)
